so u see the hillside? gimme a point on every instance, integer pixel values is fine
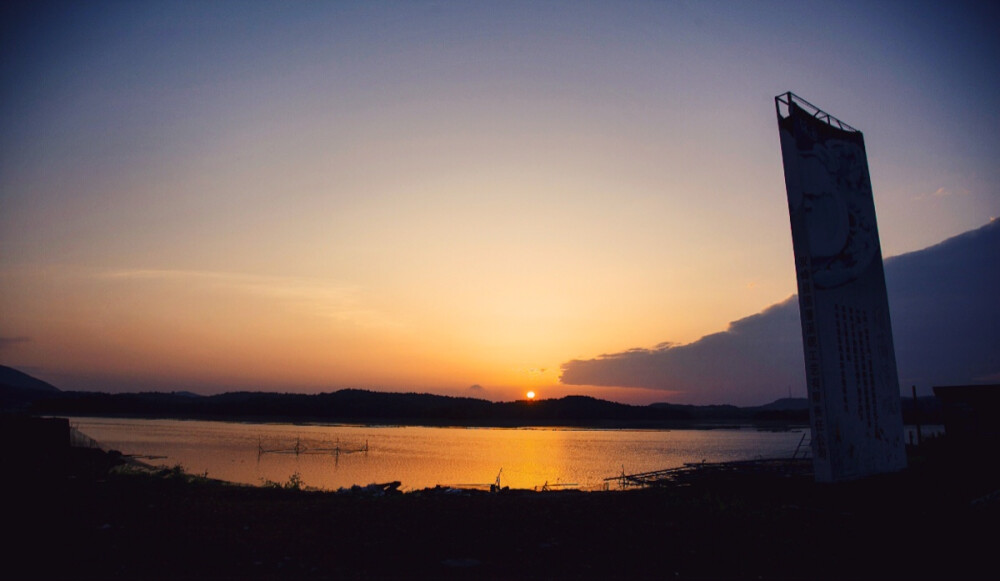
(10, 377)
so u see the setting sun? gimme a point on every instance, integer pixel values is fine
(531, 395)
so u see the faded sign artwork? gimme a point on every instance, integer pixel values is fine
(852, 384)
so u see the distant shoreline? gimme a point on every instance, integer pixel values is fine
(369, 407)
(26, 395)
(759, 425)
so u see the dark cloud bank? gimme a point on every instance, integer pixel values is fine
(945, 308)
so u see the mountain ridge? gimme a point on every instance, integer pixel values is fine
(366, 407)
(10, 377)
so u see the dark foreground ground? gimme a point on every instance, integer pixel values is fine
(939, 520)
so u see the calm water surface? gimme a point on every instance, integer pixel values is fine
(423, 457)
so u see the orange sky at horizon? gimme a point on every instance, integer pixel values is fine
(203, 337)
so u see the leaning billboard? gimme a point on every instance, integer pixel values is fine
(852, 384)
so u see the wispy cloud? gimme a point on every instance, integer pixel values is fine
(317, 298)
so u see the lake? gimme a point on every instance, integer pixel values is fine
(330, 457)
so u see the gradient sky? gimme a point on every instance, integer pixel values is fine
(429, 196)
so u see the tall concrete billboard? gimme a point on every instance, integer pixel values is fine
(852, 384)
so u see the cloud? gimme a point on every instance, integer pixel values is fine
(945, 312)
(946, 328)
(709, 369)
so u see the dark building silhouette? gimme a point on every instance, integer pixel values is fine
(971, 417)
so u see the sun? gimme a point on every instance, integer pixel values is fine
(530, 394)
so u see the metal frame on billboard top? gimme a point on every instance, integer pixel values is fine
(786, 99)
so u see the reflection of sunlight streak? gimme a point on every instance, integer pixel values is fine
(315, 298)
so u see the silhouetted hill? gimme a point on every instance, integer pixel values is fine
(785, 409)
(10, 377)
(787, 404)
(356, 406)
(705, 412)
(19, 390)
(362, 406)
(578, 409)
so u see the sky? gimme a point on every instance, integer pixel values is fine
(447, 197)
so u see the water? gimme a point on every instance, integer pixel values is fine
(422, 457)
